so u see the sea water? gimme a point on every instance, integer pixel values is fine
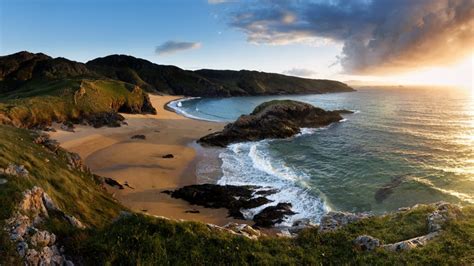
(402, 146)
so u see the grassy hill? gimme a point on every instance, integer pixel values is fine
(174, 80)
(40, 102)
(138, 239)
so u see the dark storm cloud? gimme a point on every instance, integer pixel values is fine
(377, 35)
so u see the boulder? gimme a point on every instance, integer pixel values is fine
(272, 215)
(274, 119)
(244, 230)
(138, 137)
(366, 243)
(16, 170)
(113, 183)
(334, 220)
(110, 119)
(233, 198)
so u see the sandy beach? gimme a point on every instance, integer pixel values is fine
(112, 153)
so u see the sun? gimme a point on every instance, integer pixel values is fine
(459, 75)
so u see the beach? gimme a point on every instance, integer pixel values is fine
(111, 152)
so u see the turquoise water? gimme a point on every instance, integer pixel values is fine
(416, 143)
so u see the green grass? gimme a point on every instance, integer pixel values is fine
(145, 240)
(151, 241)
(41, 102)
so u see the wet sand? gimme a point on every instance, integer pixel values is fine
(112, 153)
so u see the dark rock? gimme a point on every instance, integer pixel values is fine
(274, 119)
(233, 198)
(168, 156)
(344, 111)
(138, 137)
(272, 215)
(113, 183)
(192, 211)
(110, 119)
(127, 185)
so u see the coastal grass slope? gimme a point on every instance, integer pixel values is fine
(111, 238)
(40, 102)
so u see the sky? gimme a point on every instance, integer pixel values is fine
(381, 41)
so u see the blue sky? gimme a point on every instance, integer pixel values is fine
(316, 38)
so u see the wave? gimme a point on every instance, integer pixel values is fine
(461, 196)
(177, 106)
(251, 163)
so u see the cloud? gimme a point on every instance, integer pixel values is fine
(377, 35)
(171, 47)
(216, 2)
(300, 72)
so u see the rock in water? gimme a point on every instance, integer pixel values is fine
(274, 119)
(272, 215)
(168, 156)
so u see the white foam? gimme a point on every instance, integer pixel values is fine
(177, 105)
(250, 163)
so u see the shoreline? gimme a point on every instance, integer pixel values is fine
(111, 152)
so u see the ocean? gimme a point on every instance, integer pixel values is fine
(402, 146)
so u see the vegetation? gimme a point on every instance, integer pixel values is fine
(145, 240)
(40, 102)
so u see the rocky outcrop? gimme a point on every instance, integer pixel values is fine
(109, 119)
(35, 246)
(443, 212)
(235, 199)
(274, 119)
(366, 243)
(334, 220)
(243, 230)
(15, 170)
(411, 243)
(74, 161)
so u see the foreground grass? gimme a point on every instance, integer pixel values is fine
(144, 240)
(40, 102)
(147, 241)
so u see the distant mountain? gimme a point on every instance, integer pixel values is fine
(19, 68)
(174, 80)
